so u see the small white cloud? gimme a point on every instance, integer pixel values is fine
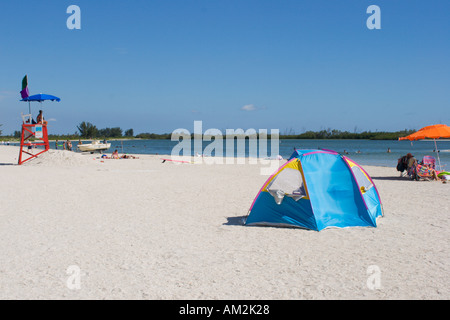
(8, 94)
(252, 107)
(249, 107)
(121, 50)
(51, 119)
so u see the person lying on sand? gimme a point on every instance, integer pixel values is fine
(115, 155)
(128, 156)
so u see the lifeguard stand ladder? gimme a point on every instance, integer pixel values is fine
(36, 131)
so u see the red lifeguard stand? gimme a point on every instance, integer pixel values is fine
(30, 131)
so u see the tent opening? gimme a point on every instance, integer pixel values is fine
(289, 182)
(362, 180)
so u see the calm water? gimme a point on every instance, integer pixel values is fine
(370, 152)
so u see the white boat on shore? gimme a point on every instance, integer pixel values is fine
(95, 145)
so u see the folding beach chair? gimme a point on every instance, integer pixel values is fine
(421, 172)
(429, 161)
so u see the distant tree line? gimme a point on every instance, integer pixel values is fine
(322, 134)
(166, 136)
(337, 134)
(87, 130)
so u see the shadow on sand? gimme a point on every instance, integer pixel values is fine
(391, 178)
(235, 221)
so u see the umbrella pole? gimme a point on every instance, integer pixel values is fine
(437, 152)
(29, 108)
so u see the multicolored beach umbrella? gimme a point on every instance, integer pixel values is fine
(34, 98)
(25, 93)
(317, 189)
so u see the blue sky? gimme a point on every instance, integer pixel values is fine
(156, 66)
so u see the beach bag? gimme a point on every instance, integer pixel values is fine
(402, 164)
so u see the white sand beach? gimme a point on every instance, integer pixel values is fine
(143, 229)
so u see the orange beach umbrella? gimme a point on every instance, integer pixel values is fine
(430, 132)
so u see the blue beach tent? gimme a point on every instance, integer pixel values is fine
(317, 189)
